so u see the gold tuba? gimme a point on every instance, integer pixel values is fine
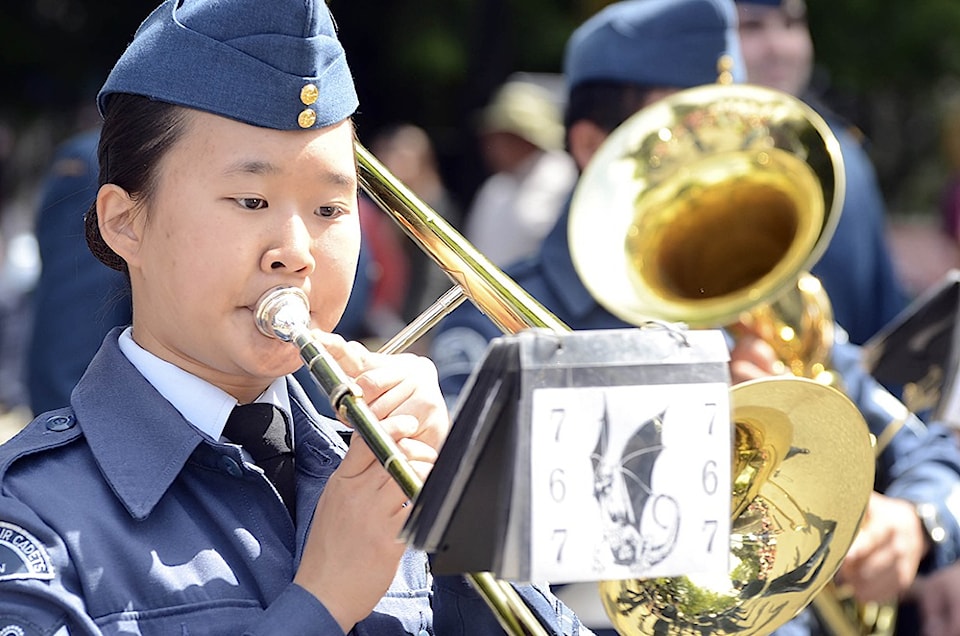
(707, 208)
(719, 198)
(789, 539)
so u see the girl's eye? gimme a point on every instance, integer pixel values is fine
(330, 211)
(251, 203)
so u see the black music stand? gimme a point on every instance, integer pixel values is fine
(920, 350)
(544, 433)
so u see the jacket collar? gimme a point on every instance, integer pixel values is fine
(141, 443)
(139, 440)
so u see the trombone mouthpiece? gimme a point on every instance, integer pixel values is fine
(281, 312)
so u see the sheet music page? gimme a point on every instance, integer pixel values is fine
(630, 481)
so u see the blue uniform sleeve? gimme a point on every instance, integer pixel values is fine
(458, 344)
(922, 461)
(40, 593)
(295, 611)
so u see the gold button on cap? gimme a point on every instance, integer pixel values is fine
(306, 118)
(725, 70)
(309, 94)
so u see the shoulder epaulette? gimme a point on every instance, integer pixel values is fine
(49, 430)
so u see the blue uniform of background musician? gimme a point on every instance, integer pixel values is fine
(227, 169)
(63, 342)
(856, 269)
(921, 464)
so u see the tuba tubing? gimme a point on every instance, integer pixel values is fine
(721, 196)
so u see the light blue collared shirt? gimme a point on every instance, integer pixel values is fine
(205, 406)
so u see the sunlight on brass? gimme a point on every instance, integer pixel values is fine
(763, 132)
(803, 471)
(798, 324)
(284, 313)
(306, 118)
(707, 208)
(309, 94)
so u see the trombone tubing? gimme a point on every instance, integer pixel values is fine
(347, 400)
(494, 293)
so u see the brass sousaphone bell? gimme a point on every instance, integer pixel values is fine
(707, 208)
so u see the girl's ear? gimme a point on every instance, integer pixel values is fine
(120, 221)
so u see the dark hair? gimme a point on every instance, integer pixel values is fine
(605, 103)
(136, 133)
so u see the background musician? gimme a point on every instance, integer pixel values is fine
(856, 269)
(624, 58)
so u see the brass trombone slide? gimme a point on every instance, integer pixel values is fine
(494, 293)
(284, 313)
(512, 309)
(501, 299)
(280, 314)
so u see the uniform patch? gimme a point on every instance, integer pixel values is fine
(22, 556)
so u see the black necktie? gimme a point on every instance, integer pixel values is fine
(263, 432)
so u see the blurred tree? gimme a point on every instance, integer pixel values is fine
(887, 66)
(876, 44)
(435, 62)
(57, 52)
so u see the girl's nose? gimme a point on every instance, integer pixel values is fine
(292, 251)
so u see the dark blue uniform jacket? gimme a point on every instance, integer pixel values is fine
(118, 517)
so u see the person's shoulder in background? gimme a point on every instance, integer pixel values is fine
(76, 299)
